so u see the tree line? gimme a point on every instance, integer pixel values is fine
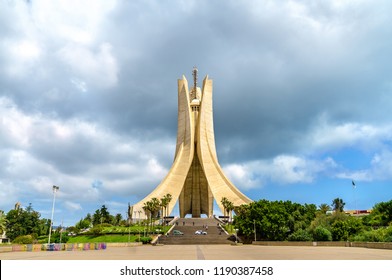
(260, 220)
(285, 220)
(26, 223)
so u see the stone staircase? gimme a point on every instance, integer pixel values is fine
(188, 226)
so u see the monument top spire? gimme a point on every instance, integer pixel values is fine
(194, 74)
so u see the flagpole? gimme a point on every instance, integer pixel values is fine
(355, 199)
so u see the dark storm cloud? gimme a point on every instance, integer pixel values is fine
(271, 77)
(88, 91)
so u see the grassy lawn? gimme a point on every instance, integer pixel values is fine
(133, 229)
(111, 234)
(103, 238)
(118, 234)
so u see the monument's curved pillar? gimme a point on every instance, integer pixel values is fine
(195, 178)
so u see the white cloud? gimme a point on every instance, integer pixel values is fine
(15, 126)
(276, 66)
(9, 194)
(96, 68)
(380, 168)
(72, 206)
(156, 169)
(382, 165)
(243, 176)
(291, 169)
(71, 154)
(282, 169)
(69, 28)
(328, 136)
(71, 21)
(359, 175)
(288, 169)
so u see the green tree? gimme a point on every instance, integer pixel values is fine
(31, 221)
(339, 231)
(105, 215)
(58, 236)
(165, 201)
(300, 235)
(101, 216)
(324, 208)
(273, 220)
(89, 218)
(83, 224)
(23, 239)
(97, 217)
(322, 234)
(44, 225)
(346, 229)
(155, 203)
(381, 214)
(14, 223)
(151, 208)
(118, 219)
(3, 222)
(23, 222)
(338, 205)
(230, 207)
(168, 198)
(224, 202)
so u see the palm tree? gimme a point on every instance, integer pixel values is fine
(155, 206)
(168, 198)
(224, 202)
(338, 204)
(162, 205)
(151, 207)
(324, 208)
(230, 208)
(147, 211)
(165, 200)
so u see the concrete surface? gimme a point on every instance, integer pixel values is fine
(208, 252)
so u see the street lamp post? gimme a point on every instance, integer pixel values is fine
(254, 228)
(129, 232)
(61, 233)
(55, 189)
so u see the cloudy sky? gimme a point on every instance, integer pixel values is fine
(88, 99)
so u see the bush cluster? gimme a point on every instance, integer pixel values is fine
(145, 239)
(23, 239)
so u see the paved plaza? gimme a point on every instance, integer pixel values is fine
(208, 252)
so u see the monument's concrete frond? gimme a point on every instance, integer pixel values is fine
(195, 178)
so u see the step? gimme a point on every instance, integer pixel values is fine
(188, 226)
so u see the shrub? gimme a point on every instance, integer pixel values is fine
(96, 230)
(322, 234)
(377, 235)
(300, 235)
(145, 239)
(340, 231)
(106, 225)
(23, 239)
